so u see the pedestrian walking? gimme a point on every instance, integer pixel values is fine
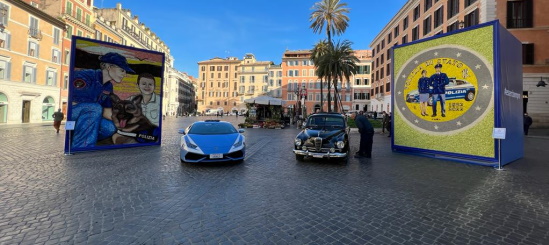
(366, 131)
(388, 125)
(57, 118)
(527, 123)
(375, 115)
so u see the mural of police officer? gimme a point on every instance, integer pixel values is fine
(438, 82)
(91, 103)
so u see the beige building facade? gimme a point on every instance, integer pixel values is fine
(218, 84)
(30, 63)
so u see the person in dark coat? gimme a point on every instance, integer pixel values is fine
(366, 131)
(527, 123)
(388, 125)
(438, 83)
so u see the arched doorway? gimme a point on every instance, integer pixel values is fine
(3, 108)
(48, 109)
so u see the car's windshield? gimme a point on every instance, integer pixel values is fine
(212, 128)
(325, 121)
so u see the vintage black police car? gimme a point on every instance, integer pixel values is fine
(325, 135)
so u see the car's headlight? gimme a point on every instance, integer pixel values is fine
(189, 144)
(297, 142)
(340, 144)
(238, 143)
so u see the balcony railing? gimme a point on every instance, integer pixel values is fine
(35, 33)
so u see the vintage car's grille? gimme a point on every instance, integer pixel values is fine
(318, 143)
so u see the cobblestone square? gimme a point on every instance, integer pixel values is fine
(145, 195)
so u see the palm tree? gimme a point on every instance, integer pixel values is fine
(339, 64)
(319, 50)
(329, 14)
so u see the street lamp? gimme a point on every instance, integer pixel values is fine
(541, 83)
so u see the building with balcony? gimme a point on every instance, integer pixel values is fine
(187, 104)
(218, 84)
(275, 81)
(362, 81)
(253, 77)
(106, 31)
(79, 20)
(30, 63)
(299, 80)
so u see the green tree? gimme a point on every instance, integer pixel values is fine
(319, 50)
(338, 64)
(329, 16)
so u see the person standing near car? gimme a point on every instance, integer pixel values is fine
(366, 131)
(438, 83)
(423, 89)
(527, 123)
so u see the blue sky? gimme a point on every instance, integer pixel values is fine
(200, 30)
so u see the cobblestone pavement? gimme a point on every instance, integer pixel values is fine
(146, 196)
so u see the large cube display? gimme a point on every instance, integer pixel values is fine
(115, 96)
(450, 91)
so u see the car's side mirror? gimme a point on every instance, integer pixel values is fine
(241, 130)
(181, 131)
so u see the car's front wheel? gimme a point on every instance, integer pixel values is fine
(299, 158)
(470, 96)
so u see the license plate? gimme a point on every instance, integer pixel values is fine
(216, 156)
(318, 156)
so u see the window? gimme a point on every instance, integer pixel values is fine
(453, 8)
(426, 26)
(528, 53)
(212, 68)
(469, 2)
(405, 23)
(388, 69)
(88, 20)
(4, 13)
(519, 14)
(452, 27)
(5, 70)
(5, 40)
(79, 33)
(51, 76)
(219, 68)
(252, 79)
(203, 68)
(68, 10)
(396, 31)
(65, 81)
(67, 57)
(382, 44)
(98, 35)
(33, 49)
(389, 38)
(472, 18)
(439, 16)
(404, 39)
(29, 74)
(381, 73)
(366, 81)
(56, 56)
(69, 31)
(415, 33)
(33, 28)
(416, 13)
(357, 81)
(79, 14)
(427, 4)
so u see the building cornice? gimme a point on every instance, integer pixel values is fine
(37, 12)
